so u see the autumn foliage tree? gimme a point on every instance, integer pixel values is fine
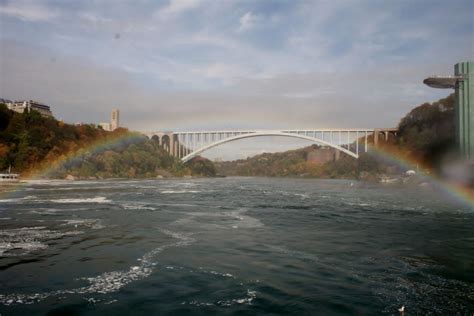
(427, 132)
(30, 142)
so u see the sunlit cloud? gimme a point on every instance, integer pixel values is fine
(247, 21)
(175, 7)
(29, 11)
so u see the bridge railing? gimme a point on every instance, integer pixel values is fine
(186, 145)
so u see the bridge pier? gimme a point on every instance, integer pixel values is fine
(385, 132)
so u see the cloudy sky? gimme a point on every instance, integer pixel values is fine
(207, 64)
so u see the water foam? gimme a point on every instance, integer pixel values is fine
(16, 200)
(25, 246)
(245, 221)
(107, 282)
(138, 206)
(28, 239)
(246, 300)
(179, 191)
(90, 223)
(432, 294)
(213, 272)
(239, 219)
(97, 199)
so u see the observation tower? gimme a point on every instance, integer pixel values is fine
(463, 84)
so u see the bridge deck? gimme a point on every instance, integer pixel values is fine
(188, 144)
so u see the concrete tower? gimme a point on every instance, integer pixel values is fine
(114, 119)
(463, 83)
(465, 108)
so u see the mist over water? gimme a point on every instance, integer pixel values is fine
(234, 246)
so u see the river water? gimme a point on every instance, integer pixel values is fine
(233, 246)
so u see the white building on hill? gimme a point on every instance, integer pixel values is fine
(27, 106)
(114, 121)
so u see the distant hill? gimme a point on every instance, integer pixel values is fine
(32, 143)
(312, 161)
(426, 134)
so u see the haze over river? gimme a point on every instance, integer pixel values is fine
(233, 246)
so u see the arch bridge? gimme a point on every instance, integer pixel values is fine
(187, 145)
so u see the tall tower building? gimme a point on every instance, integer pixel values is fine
(114, 119)
(465, 108)
(463, 83)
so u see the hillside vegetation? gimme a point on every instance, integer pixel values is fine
(295, 163)
(32, 143)
(46, 147)
(426, 135)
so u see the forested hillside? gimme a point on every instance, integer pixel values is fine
(426, 135)
(296, 163)
(35, 145)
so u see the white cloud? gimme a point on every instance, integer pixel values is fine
(91, 17)
(175, 7)
(247, 21)
(28, 11)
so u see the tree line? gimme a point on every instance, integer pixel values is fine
(31, 143)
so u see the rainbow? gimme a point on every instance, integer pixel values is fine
(114, 141)
(452, 190)
(121, 140)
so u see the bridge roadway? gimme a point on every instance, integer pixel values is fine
(187, 145)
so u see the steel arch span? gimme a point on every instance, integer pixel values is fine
(187, 145)
(260, 134)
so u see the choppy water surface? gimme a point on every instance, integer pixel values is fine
(233, 246)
